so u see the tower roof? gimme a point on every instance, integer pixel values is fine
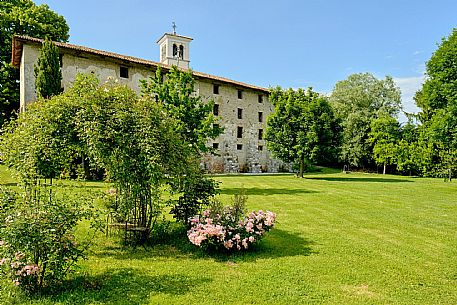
(174, 35)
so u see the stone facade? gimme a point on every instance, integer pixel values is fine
(242, 109)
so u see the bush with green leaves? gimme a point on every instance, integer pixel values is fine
(38, 248)
(196, 192)
(228, 228)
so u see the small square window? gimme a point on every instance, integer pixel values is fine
(124, 72)
(215, 145)
(240, 113)
(215, 89)
(260, 117)
(216, 109)
(260, 98)
(240, 94)
(260, 147)
(239, 146)
(260, 134)
(239, 132)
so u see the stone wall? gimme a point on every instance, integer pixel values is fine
(239, 107)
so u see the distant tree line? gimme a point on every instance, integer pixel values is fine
(357, 125)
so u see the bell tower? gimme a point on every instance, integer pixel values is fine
(174, 49)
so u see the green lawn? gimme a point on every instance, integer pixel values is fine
(340, 239)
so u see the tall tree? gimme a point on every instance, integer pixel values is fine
(196, 125)
(438, 102)
(384, 136)
(357, 101)
(48, 76)
(175, 91)
(22, 17)
(302, 129)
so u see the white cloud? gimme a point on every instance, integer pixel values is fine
(409, 86)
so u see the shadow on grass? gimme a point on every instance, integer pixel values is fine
(275, 244)
(264, 192)
(124, 286)
(357, 179)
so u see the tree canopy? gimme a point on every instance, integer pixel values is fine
(23, 17)
(357, 101)
(438, 102)
(48, 76)
(302, 127)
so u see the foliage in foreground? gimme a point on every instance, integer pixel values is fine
(38, 248)
(226, 227)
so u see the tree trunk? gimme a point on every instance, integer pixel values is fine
(302, 166)
(384, 169)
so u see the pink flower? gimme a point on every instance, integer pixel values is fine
(245, 243)
(2, 261)
(237, 236)
(19, 256)
(15, 265)
(251, 239)
(2, 243)
(16, 282)
(249, 227)
(228, 244)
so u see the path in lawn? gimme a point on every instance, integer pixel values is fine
(340, 239)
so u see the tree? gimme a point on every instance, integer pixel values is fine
(302, 128)
(48, 76)
(22, 17)
(384, 135)
(196, 125)
(409, 153)
(438, 102)
(357, 101)
(176, 93)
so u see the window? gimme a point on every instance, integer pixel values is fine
(240, 113)
(124, 72)
(239, 132)
(175, 50)
(260, 148)
(181, 51)
(260, 98)
(260, 134)
(239, 146)
(216, 109)
(260, 117)
(215, 145)
(215, 89)
(240, 94)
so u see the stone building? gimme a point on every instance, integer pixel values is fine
(242, 108)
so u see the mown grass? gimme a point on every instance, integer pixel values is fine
(340, 239)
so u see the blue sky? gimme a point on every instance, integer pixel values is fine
(267, 43)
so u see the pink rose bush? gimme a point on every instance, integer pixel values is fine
(23, 272)
(224, 231)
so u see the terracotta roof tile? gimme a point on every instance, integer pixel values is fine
(18, 42)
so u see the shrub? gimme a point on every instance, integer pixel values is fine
(227, 228)
(197, 191)
(38, 247)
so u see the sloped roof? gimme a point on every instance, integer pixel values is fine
(19, 41)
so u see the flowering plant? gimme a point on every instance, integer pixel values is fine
(226, 229)
(37, 242)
